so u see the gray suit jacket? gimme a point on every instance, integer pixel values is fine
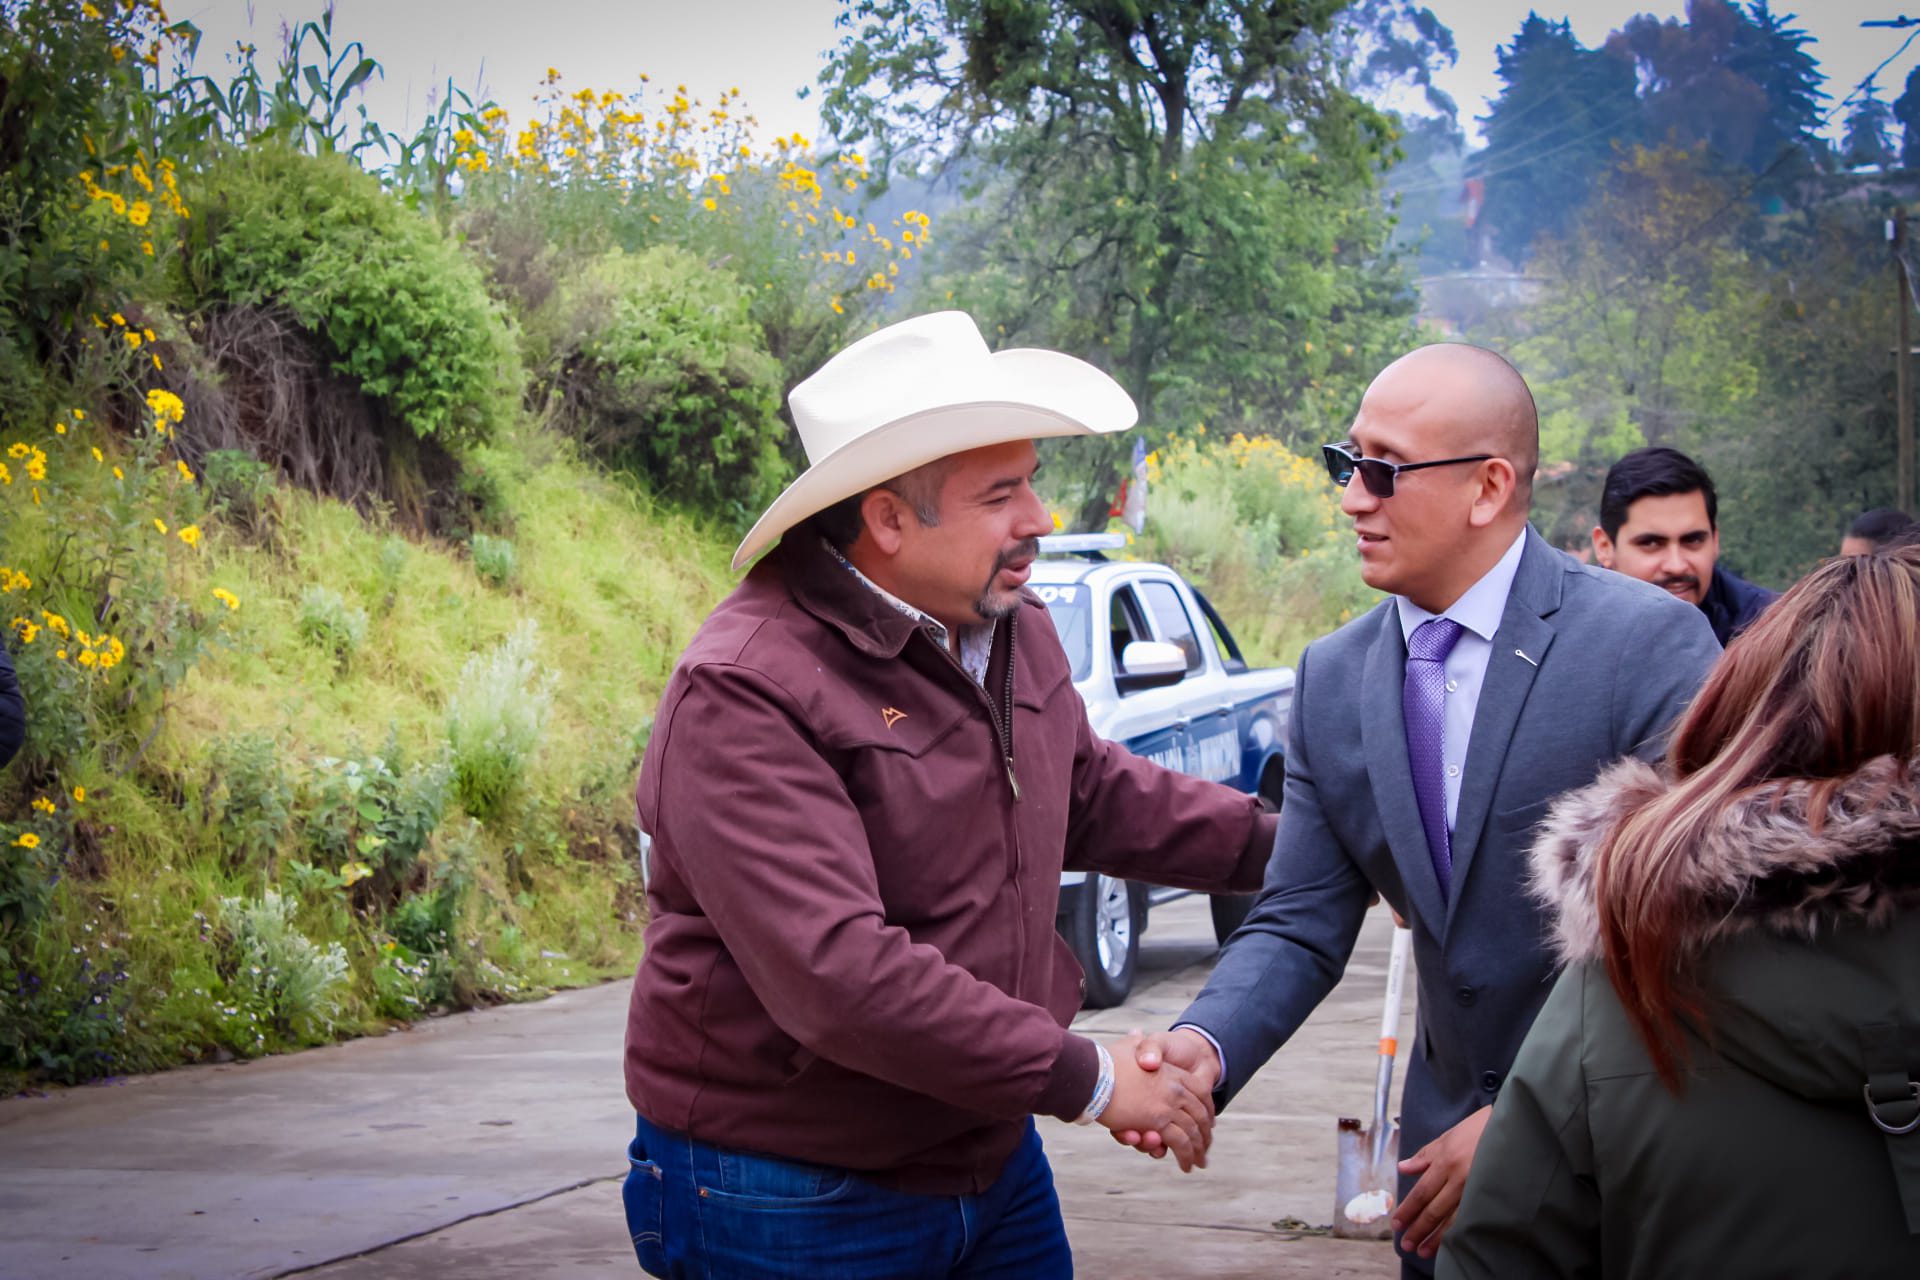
(1610, 664)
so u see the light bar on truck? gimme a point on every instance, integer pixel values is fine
(1068, 544)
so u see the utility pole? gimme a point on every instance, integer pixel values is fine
(1902, 360)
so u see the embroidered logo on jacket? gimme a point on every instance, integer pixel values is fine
(892, 715)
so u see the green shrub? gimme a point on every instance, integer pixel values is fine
(493, 560)
(280, 978)
(654, 362)
(248, 799)
(371, 818)
(63, 1008)
(407, 983)
(1258, 528)
(330, 623)
(494, 721)
(241, 489)
(85, 203)
(387, 569)
(400, 310)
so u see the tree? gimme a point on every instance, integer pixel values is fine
(1867, 141)
(1186, 195)
(1906, 109)
(1660, 324)
(1740, 81)
(1551, 132)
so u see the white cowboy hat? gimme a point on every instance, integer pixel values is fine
(920, 390)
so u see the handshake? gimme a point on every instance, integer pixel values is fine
(1162, 1102)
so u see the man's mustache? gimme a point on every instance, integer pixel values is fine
(1026, 549)
(1687, 580)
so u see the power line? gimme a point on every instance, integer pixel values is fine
(1787, 151)
(1902, 21)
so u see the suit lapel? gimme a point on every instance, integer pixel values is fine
(1503, 693)
(1384, 736)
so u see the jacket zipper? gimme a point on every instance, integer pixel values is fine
(1001, 716)
(1006, 703)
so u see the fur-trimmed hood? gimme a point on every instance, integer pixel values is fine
(1762, 867)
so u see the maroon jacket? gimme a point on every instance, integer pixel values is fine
(851, 957)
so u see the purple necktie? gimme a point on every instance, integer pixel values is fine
(1423, 702)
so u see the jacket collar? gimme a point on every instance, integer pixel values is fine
(1767, 864)
(823, 587)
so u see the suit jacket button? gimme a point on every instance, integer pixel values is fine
(1490, 1081)
(1465, 995)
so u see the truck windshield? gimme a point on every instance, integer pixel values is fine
(1071, 606)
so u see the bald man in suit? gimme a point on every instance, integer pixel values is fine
(1427, 738)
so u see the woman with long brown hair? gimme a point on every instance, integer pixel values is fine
(1723, 1082)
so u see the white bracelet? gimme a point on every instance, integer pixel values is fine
(1102, 1088)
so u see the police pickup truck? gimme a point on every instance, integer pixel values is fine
(1160, 674)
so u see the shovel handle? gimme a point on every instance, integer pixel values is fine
(1396, 987)
(1389, 1040)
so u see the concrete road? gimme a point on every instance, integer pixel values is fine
(489, 1144)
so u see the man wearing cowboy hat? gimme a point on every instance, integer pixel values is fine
(866, 775)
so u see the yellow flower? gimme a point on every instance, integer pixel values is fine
(190, 534)
(165, 404)
(119, 319)
(56, 624)
(160, 524)
(148, 334)
(43, 804)
(186, 472)
(27, 840)
(146, 247)
(79, 795)
(710, 204)
(79, 415)
(156, 362)
(354, 873)
(226, 597)
(138, 212)
(89, 10)
(6, 476)
(97, 455)
(88, 657)
(118, 474)
(59, 428)
(133, 339)
(18, 450)
(37, 466)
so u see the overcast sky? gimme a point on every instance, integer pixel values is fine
(773, 48)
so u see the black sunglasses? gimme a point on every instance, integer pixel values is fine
(1378, 476)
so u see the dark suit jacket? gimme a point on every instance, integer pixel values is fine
(1610, 662)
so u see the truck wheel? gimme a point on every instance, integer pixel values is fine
(1102, 928)
(1230, 909)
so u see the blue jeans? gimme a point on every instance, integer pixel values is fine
(697, 1212)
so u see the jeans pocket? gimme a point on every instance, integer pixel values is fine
(645, 1203)
(781, 1220)
(762, 1182)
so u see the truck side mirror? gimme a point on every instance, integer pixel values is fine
(1150, 664)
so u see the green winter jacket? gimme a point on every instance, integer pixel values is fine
(1776, 1158)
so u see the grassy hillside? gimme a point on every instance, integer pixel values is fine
(285, 858)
